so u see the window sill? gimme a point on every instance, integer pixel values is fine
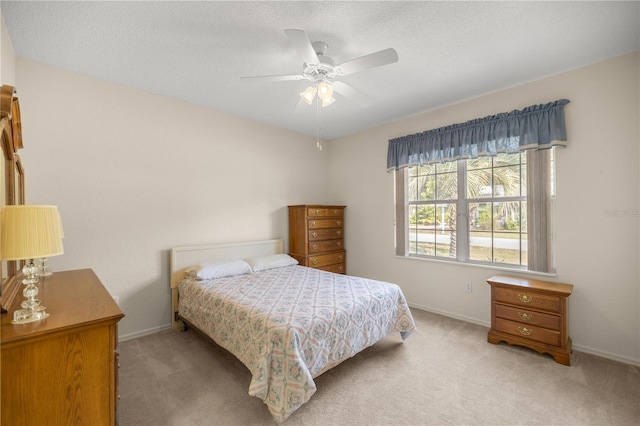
(479, 266)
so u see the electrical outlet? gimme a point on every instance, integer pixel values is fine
(468, 287)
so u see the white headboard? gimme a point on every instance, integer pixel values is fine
(185, 256)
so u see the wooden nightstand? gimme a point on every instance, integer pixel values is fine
(62, 370)
(531, 313)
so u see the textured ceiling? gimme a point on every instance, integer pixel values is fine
(197, 51)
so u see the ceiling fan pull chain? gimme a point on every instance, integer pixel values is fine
(318, 144)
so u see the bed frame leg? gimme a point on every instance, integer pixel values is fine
(185, 327)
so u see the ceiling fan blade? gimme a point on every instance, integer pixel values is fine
(377, 59)
(302, 44)
(261, 78)
(350, 93)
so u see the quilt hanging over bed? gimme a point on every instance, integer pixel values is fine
(289, 325)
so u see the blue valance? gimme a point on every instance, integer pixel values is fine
(534, 127)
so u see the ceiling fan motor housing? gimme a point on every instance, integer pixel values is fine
(324, 69)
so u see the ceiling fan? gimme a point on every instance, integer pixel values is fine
(323, 72)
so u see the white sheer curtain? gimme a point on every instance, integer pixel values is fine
(539, 236)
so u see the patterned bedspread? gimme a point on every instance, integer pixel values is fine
(290, 324)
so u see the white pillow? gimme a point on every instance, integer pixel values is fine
(271, 261)
(219, 269)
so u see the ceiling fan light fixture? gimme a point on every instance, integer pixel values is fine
(308, 94)
(325, 90)
(326, 101)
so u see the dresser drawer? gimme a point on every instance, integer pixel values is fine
(326, 259)
(525, 316)
(324, 212)
(325, 234)
(546, 302)
(338, 268)
(325, 246)
(531, 332)
(325, 223)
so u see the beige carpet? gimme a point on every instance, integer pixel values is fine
(444, 374)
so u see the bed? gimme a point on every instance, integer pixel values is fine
(285, 322)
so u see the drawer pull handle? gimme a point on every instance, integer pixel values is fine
(339, 233)
(314, 234)
(341, 257)
(314, 261)
(524, 316)
(315, 246)
(338, 222)
(318, 212)
(524, 298)
(524, 331)
(339, 244)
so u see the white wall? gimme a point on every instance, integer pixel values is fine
(134, 174)
(7, 58)
(597, 175)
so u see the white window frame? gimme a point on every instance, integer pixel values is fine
(462, 222)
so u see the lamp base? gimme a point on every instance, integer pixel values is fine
(23, 316)
(32, 310)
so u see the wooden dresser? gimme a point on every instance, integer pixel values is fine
(316, 236)
(62, 370)
(531, 313)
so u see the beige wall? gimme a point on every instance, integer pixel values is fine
(597, 207)
(135, 174)
(7, 58)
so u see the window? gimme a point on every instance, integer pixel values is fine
(496, 206)
(472, 210)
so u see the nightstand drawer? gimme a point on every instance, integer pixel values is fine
(525, 316)
(523, 297)
(326, 259)
(325, 246)
(531, 332)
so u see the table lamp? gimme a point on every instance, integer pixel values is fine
(30, 232)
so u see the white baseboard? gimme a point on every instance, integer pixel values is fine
(125, 337)
(607, 355)
(577, 347)
(451, 315)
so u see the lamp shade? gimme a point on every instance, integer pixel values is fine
(30, 232)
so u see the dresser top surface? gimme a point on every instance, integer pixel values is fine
(531, 284)
(317, 206)
(72, 298)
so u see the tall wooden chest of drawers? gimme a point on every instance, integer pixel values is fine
(62, 370)
(531, 313)
(316, 236)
